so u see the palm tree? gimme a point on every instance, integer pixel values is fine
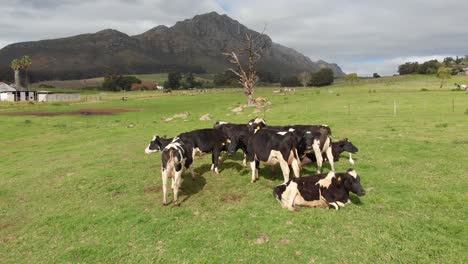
(18, 65)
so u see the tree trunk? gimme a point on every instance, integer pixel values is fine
(17, 80)
(250, 99)
(23, 79)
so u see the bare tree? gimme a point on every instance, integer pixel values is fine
(253, 47)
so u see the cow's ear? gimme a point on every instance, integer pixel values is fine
(164, 136)
(339, 180)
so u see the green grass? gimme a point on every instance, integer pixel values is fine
(80, 188)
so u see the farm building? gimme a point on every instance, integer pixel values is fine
(7, 93)
(46, 96)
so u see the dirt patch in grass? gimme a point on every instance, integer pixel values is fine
(152, 189)
(232, 198)
(104, 111)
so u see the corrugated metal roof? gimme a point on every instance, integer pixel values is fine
(6, 88)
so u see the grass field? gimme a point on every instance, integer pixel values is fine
(79, 189)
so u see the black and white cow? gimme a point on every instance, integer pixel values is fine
(176, 157)
(321, 145)
(338, 147)
(321, 190)
(236, 131)
(157, 144)
(273, 147)
(206, 140)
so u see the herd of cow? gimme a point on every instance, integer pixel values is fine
(291, 146)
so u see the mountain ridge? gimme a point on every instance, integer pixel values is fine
(194, 45)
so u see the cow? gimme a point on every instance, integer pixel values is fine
(206, 140)
(338, 147)
(272, 147)
(462, 86)
(176, 157)
(237, 131)
(322, 142)
(322, 190)
(157, 144)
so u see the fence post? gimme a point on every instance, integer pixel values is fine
(453, 105)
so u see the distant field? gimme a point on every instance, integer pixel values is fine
(79, 188)
(159, 78)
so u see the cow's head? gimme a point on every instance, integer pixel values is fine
(231, 145)
(352, 182)
(348, 146)
(308, 141)
(154, 145)
(219, 123)
(256, 124)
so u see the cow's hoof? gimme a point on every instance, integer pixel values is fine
(176, 204)
(165, 204)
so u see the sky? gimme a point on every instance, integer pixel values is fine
(362, 36)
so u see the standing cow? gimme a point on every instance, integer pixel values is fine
(321, 190)
(321, 144)
(273, 147)
(176, 157)
(157, 144)
(206, 140)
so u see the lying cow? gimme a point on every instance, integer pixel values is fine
(337, 147)
(176, 157)
(272, 147)
(321, 190)
(157, 144)
(206, 140)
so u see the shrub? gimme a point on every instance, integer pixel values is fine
(173, 80)
(376, 75)
(321, 78)
(114, 82)
(291, 81)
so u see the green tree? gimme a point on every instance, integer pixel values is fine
(443, 74)
(115, 82)
(351, 78)
(321, 78)
(408, 68)
(173, 80)
(376, 75)
(291, 81)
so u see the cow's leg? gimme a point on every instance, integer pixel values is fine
(215, 159)
(244, 161)
(330, 156)
(290, 197)
(164, 185)
(285, 169)
(176, 183)
(296, 168)
(334, 205)
(254, 171)
(318, 155)
(189, 165)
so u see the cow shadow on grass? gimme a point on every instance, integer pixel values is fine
(355, 199)
(191, 186)
(206, 168)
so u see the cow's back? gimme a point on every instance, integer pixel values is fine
(308, 187)
(264, 141)
(203, 139)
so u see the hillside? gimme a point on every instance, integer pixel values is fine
(191, 45)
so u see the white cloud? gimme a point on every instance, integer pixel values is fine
(345, 32)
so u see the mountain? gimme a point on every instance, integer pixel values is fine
(194, 45)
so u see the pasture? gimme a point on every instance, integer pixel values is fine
(79, 188)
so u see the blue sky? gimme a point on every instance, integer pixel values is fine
(362, 36)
